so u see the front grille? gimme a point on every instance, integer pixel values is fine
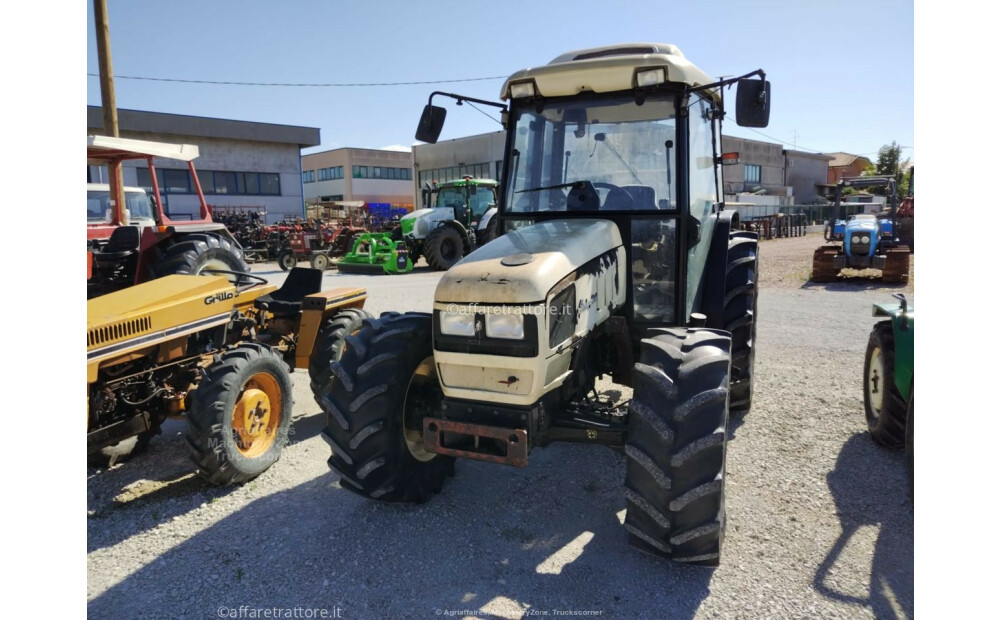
(117, 331)
(860, 249)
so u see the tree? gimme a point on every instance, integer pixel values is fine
(888, 164)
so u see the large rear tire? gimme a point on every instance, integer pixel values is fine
(885, 408)
(740, 316)
(192, 253)
(676, 448)
(443, 248)
(330, 346)
(382, 388)
(239, 415)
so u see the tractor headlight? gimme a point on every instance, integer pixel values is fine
(509, 326)
(522, 89)
(650, 77)
(458, 323)
(855, 239)
(866, 239)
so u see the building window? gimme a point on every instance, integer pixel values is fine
(309, 176)
(247, 183)
(225, 182)
(270, 184)
(751, 173)
(205, 180)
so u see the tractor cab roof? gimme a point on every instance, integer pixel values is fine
(102, 149)
(467, 181)
(607, 69)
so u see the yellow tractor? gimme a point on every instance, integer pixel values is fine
(217, 352)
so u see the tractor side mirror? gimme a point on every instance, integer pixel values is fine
(431, 122)
(753, 103)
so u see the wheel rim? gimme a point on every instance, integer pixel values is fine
(875, 381)
(257, 415)
(288, 261)
(421, 394)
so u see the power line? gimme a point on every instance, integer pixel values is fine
(315, 85)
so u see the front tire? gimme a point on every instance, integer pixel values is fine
(443, 248)
(885, 409)
(676, 448)
(909, 445)
(239, 416)
(382, 387)
(329, 346)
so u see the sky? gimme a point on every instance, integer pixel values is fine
(839, 82)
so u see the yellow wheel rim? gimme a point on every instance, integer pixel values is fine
(425, 376)
(257, 415)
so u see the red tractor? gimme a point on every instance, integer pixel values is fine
(318, 244)
(136, 241)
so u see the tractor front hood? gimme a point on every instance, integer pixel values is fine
(862, 226)
(522, 266)
(422, 221)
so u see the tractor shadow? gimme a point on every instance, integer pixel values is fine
(151, 488)
(866, 500)
(854, 283)
(547, 536)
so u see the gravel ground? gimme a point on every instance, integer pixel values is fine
(819, 524)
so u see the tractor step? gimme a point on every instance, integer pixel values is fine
(494, 444)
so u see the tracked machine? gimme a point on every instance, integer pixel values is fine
(616, 258)
(863, 241)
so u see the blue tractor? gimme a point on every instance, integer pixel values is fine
(863, 240)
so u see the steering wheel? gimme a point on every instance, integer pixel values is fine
(243, 279)
(615, 193)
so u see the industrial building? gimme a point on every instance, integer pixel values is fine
(242, 164)
(356, 175)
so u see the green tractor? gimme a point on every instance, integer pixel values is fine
(458, 217)
(888, 393)
(617, 258)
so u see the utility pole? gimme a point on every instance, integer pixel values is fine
(109, 108)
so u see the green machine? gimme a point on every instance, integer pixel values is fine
(376, 253)
(888, 392)
(456, 219)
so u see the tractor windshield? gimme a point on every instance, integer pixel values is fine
(451, 197)
(606, 154)
(99, 205)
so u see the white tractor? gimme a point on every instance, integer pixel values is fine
(616, 257)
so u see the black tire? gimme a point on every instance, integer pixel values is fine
(489, 233)
(740, 316)
(676, 448)
(190, 253)
(365, 402)
(886, 420)
(909, 445)
(330, 346)
(215, 443)
(286, 260)
(444, 247)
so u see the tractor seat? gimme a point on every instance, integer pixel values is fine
(301, 281)
(122, 243)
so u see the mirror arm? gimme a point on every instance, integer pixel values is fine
(728, 82)
(461, 98)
